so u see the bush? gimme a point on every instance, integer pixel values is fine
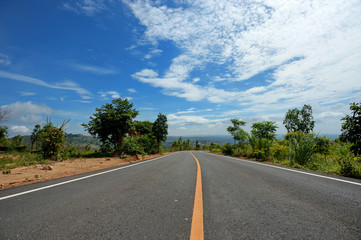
(131, 146)
(301, 147)
(279, 151)
(52, 140)
(227, 149)
(349, 168)
(70, 152)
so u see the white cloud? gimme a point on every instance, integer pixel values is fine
(19, 130)
(27, 93)
(94, 69)
(27, 113)
(112, 94)
(310, 47)
(4, 60)
(131, 90)
(87, 7)
(195, 80)
(18, 109)
(152, 53)
(66, 85)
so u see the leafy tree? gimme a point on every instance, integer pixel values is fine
(112, 122)
(3, 133)
(52, 139)
(187, 144)
(211, 146)
(160, 129)
(3, 129)
(35, 136)
(198, 145)
(143, 127)
(17, 141)
(351, 128)
(263, 135)
(236, 131)
(175, 145)
(180, 143)
(265, 129)
(299, 120)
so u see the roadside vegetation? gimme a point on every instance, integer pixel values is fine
(300, 148)
(117, 133)
(113, 124)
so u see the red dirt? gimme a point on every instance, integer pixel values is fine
(35, 173)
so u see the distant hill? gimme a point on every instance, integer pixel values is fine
(203, 140)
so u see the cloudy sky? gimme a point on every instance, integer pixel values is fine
(200, 62)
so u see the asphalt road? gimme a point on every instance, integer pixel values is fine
(154, 200)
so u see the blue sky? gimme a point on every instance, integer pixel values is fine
(200, 62)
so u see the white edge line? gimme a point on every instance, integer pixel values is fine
(81, 178)
(291, 170)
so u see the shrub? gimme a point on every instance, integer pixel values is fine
(301, 147)
(227, 149)
(131, 146)
(52, 139)
(279, 151)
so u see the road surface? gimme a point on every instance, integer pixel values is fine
(155, 200)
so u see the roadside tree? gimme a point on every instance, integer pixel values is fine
(236, 131)
(265, 129)
(111, 122)
(160, 129)
(299, 120)
(52, 139)
(351, 128)
(35, 136)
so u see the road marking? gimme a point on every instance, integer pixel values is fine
(197, 232)
(293, 170)
(81, 178)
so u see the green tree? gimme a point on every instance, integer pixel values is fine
(236, 131)
(299, 120)
(3, 135)
(351, 128)
(180, 143)
(52, 139)
(35, 136)
(265, 129)
(160, 129)
(112, 122)
(198, 145)
(263, 135)
(3, 129)
(212, 146)
(187, 144)
(143, 127)
(17, 141)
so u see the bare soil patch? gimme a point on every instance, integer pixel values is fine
(40, 172)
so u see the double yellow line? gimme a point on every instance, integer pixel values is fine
(197, 232)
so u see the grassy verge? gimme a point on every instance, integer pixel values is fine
(15, 159)
(337, 161)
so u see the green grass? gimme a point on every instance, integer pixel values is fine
(21, 160)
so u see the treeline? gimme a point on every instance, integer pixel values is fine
(300, 147)
(113, 125)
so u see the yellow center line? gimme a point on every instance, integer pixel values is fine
(197, 232)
